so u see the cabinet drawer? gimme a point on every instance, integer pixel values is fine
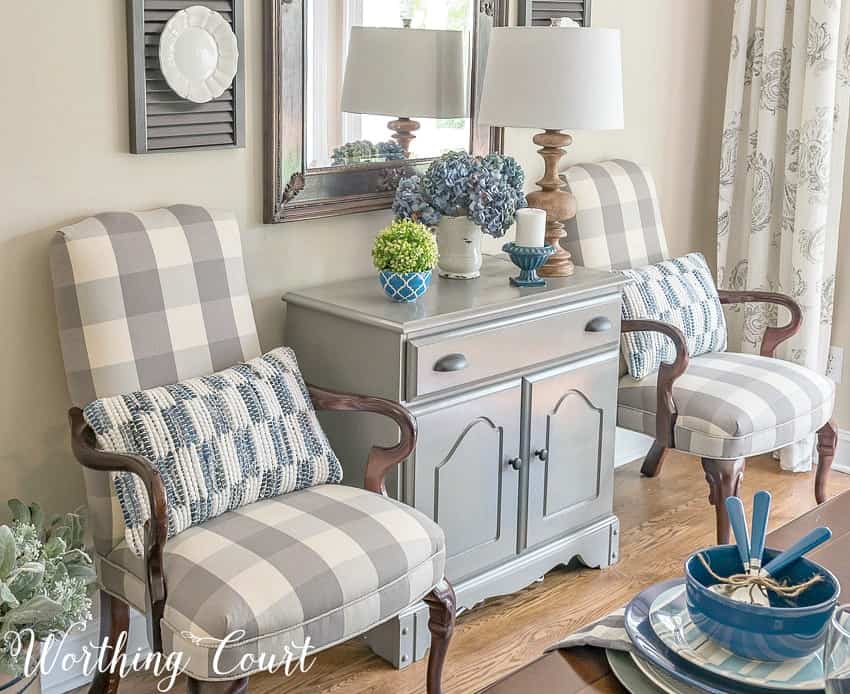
(447, 360)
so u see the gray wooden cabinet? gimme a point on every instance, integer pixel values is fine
(514, 392)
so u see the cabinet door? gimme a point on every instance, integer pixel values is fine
(463, 477)
(572, 412)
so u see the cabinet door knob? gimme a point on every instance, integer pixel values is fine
(515, 463)
(600, 324)
(543, 454)
(451, 362)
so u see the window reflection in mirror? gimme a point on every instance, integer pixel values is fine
(347, 124)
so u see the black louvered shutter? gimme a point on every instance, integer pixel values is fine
(160, 120)
(541, 12)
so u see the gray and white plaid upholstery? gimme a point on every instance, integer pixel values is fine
(618, 221)
(221, 441)
(680, 292)
(145, 299)
(148, 299)
(733, 405)
(327, 563)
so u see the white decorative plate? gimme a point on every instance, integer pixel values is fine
(198, 54)
(670, 620)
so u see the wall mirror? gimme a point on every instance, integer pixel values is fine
(358, 93)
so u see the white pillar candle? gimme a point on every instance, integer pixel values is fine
(530, 227)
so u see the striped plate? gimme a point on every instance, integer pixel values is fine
(671, 622)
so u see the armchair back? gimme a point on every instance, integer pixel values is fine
(147, 299)
(618, 221)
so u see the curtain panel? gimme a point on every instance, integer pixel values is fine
(781, 173)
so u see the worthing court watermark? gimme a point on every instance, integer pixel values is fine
(47, 656)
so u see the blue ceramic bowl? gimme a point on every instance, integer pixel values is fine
(404, 287)
(760, 632)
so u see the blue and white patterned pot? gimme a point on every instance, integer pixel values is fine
(405, 287)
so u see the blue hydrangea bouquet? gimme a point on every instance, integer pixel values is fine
(487, 190)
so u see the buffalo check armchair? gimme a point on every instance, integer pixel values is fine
(153, 298)
(720, 406)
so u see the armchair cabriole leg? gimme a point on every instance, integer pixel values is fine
(724, 479)
(654, 460)
(442, 606)
(114, 621)
(827, 443)
(194, 686)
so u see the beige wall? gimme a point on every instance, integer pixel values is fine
(63, 143)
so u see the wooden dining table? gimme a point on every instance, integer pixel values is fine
(585, 670)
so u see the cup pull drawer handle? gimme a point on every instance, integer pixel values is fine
(600, 324)
(451, 362)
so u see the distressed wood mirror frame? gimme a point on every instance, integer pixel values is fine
(291, 190)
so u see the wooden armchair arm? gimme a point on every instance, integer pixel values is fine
(380, 459)
(773, 336)
(665, 408)
(84, 446)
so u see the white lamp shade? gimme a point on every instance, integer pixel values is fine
(557, 78)
(406, 72)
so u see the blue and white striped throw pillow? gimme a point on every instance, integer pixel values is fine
(223, 441)
(680, 292)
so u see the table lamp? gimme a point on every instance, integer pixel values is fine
(404, 72)
(552, 79)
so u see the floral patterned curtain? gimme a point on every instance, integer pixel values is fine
(781, 172)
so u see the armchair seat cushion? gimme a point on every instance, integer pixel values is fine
(325, 563)
(733, 405)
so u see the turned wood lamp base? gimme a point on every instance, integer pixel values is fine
(558, 203)
(404, 129)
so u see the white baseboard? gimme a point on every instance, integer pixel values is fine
(630, 446)
(842, 455)
(59, 681)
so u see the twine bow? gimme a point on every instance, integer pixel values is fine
(762, 581)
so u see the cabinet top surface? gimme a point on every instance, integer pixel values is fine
(448, 300)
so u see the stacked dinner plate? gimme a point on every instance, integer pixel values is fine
(670, 654)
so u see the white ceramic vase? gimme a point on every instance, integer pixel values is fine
(459, 244)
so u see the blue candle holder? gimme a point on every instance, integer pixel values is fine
(529, 259)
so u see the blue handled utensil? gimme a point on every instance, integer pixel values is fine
(805, 544)
(761, 513)
(738, 521)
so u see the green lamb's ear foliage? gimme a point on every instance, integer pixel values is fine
(44, 574)
(20, 511)
(55, 547)
(37, 519)
(84, 571)
(8, 551)
(7, 597)
(61, 532)
(36, 609)
(28, 577)
(77, 531)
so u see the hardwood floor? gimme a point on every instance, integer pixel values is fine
(662, 520)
